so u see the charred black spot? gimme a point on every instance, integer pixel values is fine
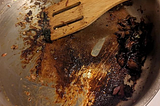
(47, 35)
(29, 13)
(136, 44)
(44, 23)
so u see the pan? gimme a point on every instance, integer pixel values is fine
(25, 81)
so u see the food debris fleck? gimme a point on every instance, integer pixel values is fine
(33, 76)
(8, 5)
(4, 54)
(14, 47)
(29, 99)
(24, 33)
(27, 93)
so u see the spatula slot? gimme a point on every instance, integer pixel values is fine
(66, 8)
(69, 22)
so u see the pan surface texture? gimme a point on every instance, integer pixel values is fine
(70, 71)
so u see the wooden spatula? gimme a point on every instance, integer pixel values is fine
(69, 16)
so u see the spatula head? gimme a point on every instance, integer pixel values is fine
(65, 18)
(70, 16)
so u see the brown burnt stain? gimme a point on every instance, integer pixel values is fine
(34, 45)
(67, 64)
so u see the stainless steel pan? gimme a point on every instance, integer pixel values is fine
(13, 82)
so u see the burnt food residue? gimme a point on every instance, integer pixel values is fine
(67, 65)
